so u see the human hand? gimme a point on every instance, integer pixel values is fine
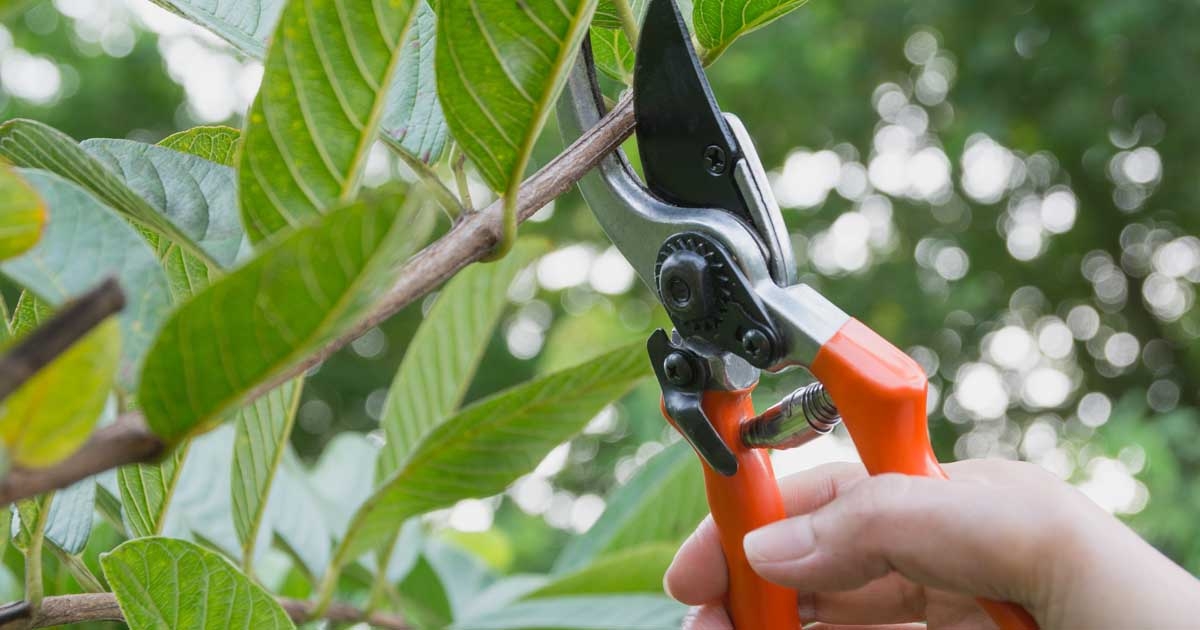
(892, 549)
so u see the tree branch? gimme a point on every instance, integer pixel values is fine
(67, 609)
(471, 239)
(37, 349)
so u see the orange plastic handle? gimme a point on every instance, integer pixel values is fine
(881, 393)
(740, 504)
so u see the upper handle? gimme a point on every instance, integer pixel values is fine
(881, 394)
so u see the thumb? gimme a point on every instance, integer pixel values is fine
(966, 536)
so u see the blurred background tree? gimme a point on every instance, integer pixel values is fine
(1007, 191)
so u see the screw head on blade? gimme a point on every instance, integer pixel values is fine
(688, 150)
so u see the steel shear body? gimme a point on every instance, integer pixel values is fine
(705, 234)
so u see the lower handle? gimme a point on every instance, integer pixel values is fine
(740, 504)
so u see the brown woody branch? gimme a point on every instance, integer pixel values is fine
(130, 441)
(41, 346)
(68, 609)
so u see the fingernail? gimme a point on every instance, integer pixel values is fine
(667, 585)
(785, 540)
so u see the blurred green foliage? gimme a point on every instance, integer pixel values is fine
(857, 108)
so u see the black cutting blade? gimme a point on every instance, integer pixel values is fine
(688, 151)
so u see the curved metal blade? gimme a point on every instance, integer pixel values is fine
(688, 150)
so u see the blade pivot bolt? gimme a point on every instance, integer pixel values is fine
(681, 293)
(678, 369)
(714, 159)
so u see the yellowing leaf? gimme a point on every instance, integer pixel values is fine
(22, 213)
(215, 144)
(53, 413)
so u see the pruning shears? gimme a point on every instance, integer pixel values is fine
(705, 233)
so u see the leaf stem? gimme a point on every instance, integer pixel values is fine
(629, 21)
(325, 591)
(458, 164)
(380, 587)
(79, 570)
(434, 185)
(33, 554)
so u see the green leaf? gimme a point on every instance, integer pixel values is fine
(22, 214)
(718, 23)
(500, 67)
(215, 144)
(39, 425)
(635, 570)
(413, 118)
(612, 54)
(629, 612)
(318, 112)
(464, 574)
(344, 477)
(165, 583)
(247, 24)
(200, 506)
(423, 597)
(490, 444)
(32, 144)
(298, 294)
(29, 314)
(442, 356)
(146, 491)
(84, 243)
(298, 517)
(197, 195)
(263, 428)
(29, 512)
(635, 514)
(606, 16)
(69, 523)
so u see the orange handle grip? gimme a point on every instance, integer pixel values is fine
(881, 393)
(740, 504)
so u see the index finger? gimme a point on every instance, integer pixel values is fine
(698, 573)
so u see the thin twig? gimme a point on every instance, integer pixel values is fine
(470, 240)
(67, 609)
(126, 441)
(37, 349)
